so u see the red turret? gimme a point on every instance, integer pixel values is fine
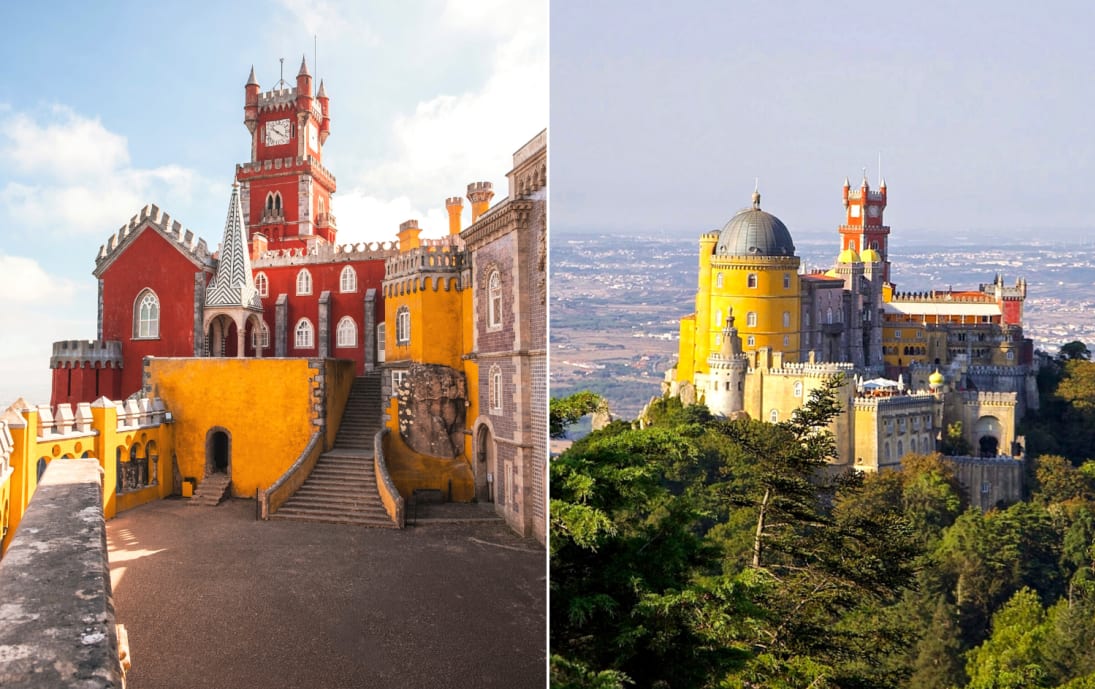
(304, 87)
(325, 124)
(251, 102)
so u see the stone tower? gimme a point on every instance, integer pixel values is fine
(863, 228)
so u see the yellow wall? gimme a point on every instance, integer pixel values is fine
(436, 324)
(267, 406)
(339, 380)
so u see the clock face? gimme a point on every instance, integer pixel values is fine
(855, 210)
(872, 211)
(313, 137)
(277, 132)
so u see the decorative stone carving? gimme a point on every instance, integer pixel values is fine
(432, 407)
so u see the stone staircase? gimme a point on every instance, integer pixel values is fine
(211, 491)
(342, 487)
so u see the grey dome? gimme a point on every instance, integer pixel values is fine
(752, 232)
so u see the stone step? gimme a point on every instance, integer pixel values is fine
(348, 506)
(350, 495)
(336, 518)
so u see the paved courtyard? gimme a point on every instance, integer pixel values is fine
(211, 597)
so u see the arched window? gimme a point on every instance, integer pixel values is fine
(751, 319)
(751, 281)
(798, 389)
(494, 294)
(912, 445)
(273, 203)
(347, 281)
(495, 389)
(304, 282)
(718, 319)
(262, 284)
(718, 280)
(786, 319)
(305, 335)
(147, 321)
(786, 340)
(322, 205)
(403, 326)
(786, 281)
(829, 316)
(886, 450)
(261, 336)
(346, 334)
(900, 449)
(773, 416)
(750, 341)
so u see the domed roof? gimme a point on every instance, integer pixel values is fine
(752, 232)
(870, 256)
(935, 378)
(848, 256)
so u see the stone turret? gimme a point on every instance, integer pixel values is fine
(251, 102)
(455, 207)
(725, 392)
(480, 194)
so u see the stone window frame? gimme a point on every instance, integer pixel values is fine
(398, 376)
(718, 280)
(494, 299)
(797, 390)
(347, 280)
(751, 319)
(718, 318)
(262, 284)
(146, 322)
(261, 336)
(304, 335)
(494, 389)
(274, 203)
(786, 281)
(773, 416)
(304, 282)
(381, 342)
(786, 319)
(751, 341)
(346, 332)
(403, 326)
(751, 281)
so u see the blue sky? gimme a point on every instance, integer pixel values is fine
(105, 107)
(664, 114)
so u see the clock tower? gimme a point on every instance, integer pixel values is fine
(285, 191)
(863, 228)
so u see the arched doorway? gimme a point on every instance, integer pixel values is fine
(484, 465)
(987, 431)
(990, 446)
(218, 451)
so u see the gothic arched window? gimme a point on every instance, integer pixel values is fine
(494, 304)
(262, 284)
(304, 282)
(147, 321)
(346, 334)
(495, 389)
(260, 337)
(751, 281)
(305, 334)
(347, 281)
(403, 326)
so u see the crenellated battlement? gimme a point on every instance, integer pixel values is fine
(305, 165)
(326, 253)
(86, 353)
(445, 255)
(808, 370)
(916, 399)
(172, 230)
(871, 195)
(939, 296)
(1017, 370)
(989, 399)
(62, 422)
(276, 99)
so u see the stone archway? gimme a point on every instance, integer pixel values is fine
(987, 432)
(218, 451)
(485, 470)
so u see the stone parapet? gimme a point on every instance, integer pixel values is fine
(326, 253)
(59, 630)
(86, 353)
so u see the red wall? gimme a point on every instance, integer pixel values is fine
(73, 385)
(151, 261)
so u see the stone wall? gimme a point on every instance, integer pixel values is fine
(432, 409)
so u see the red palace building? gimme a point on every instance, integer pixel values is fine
(295, 291)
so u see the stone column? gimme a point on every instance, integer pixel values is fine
(370, 328)
(199, 313)
(241, 338)
(323, 330)
(281, 316)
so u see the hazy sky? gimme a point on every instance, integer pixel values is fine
(663, 114)
(108, 106)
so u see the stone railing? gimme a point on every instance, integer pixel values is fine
(274, 497)
(59, 630)
(393, 501)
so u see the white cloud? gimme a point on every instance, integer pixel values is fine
(365, 218)
(26, 283)
(72, 175)
(456, 139)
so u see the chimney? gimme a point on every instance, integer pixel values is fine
(408, 236)
(455, 207)
(480, 194)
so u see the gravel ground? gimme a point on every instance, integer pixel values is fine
(211, 597)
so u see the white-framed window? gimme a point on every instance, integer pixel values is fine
(322, 205)
(718, 280)
(262, 284)
(1010, 355)
(381, 342)
(304, 282)
(346, 333)
(397, 380)
(718, 319)
(494, 391)
(494, 300)
(897, 334)
(146, 322)
(347, 281)
(718, 339)
(304, 334)
(403, 326)
(786, 340)
(751, 319)
(786, 319)
(798, 389)
(786, 281)
(751, 281)
(750, 341)
(260, 337)
(773, 416)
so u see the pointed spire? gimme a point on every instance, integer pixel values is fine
(847, 184)
(251, 80)
(233, 285)
(322, 93)
(881, 182)
(303, 67)
(756, 195)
